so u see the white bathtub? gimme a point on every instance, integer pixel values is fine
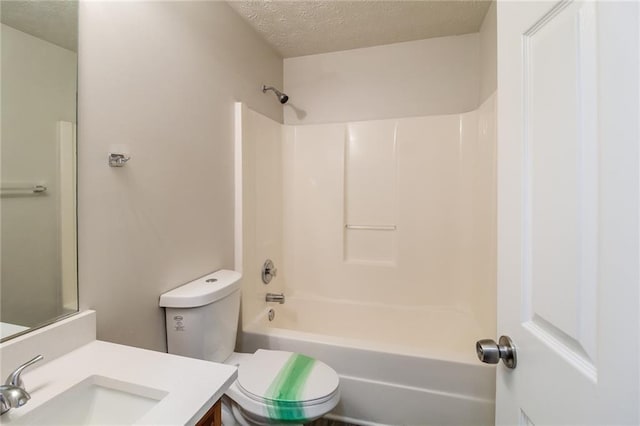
(424, 373)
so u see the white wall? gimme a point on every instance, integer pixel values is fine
(38, 90)
(417, 78)
(488, 54)
(162, 78)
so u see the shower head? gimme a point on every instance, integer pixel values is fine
(283, 98)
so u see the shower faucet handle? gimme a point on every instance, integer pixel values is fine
(269, 271)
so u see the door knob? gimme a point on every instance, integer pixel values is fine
(491, 352)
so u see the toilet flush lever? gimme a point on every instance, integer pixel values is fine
(491, 352)
(269, 271)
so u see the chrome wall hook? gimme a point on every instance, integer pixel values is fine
(118, 160)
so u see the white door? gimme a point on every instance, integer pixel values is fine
(568, 234)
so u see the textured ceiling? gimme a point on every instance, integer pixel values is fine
(303, 27)
(55, 21)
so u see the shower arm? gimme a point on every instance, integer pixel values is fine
(282, 97)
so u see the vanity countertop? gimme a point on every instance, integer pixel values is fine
(192, 386)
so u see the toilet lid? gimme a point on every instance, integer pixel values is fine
(281, 376)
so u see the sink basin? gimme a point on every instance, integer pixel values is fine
(96, 400)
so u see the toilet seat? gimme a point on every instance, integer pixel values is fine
(279, 386)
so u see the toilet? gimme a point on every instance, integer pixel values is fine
(273, 387)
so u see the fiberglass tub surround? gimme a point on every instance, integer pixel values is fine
(383, 233)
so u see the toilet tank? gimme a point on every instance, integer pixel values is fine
(202, 316)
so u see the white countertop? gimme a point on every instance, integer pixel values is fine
(7, 329)
(192, 386)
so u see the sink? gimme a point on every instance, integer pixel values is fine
(97, 400)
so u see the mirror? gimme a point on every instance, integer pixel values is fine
(38, 245)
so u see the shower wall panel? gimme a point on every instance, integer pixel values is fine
(369, 192)
(390, 212)
(258, 204)
(398, 212)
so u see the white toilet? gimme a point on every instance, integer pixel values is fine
(272, 386)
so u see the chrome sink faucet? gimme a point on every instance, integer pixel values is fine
(13, 393)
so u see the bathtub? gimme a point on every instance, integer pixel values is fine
(425, 373)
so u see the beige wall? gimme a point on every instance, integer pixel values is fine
(417, 78)
(162, 78)
(445, 75)
(488, 54)
(38, 90)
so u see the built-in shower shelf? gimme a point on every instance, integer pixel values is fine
(371, 227)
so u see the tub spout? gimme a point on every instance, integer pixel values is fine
(275, 297)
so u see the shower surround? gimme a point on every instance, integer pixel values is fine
(384, 235)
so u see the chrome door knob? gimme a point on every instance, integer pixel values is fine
(491, 352)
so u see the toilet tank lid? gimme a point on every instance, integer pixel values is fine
(203, 291)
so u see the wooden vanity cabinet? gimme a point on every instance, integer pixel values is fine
(213, 416)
